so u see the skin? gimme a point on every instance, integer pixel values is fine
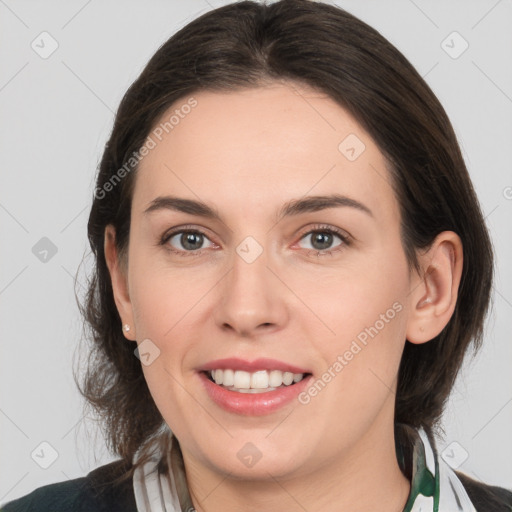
(246, 153)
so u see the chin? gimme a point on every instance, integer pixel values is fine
(257, 461)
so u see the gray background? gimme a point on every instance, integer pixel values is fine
(56, 115)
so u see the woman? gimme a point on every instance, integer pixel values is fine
(291, 266)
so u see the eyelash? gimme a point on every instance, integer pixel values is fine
(345, 239)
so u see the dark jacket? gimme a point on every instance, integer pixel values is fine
(97, 492)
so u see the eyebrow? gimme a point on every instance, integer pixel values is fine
(294, 207)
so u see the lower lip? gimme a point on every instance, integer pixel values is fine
(253, 404)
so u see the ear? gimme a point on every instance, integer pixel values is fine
(434, 292)
(119, 282)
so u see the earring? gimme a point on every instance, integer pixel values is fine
(126, 327)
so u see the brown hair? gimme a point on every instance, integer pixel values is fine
(246, 44)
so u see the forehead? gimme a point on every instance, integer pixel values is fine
(260, 146)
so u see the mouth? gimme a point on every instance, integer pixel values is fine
(253, 388)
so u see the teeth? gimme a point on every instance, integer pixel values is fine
(259, 380)
(287, 378)
(275, 378)
(242, 379)
(217, 376)
(228, 377)
(245, 382)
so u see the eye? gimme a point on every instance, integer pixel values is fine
(191, 242)
(321, 240)
(186, 242)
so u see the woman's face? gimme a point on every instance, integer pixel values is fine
(300, 265)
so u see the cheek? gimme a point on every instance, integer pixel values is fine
(360, 361)
(355, 296)
(364, 307)
(163, 295)
(166, 305)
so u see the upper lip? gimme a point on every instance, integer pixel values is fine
(263, 363)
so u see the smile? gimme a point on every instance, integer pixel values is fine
(256, 382)
(252, 388)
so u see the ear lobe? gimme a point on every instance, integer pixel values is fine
(434, 294)
(119, 282)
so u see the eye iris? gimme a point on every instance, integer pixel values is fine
(189, 239)
(323, 238)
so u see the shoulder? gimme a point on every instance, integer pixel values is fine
(486, 497)
(100, 491)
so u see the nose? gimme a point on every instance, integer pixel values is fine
(252, 298)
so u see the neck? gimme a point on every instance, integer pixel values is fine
(366, 477)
